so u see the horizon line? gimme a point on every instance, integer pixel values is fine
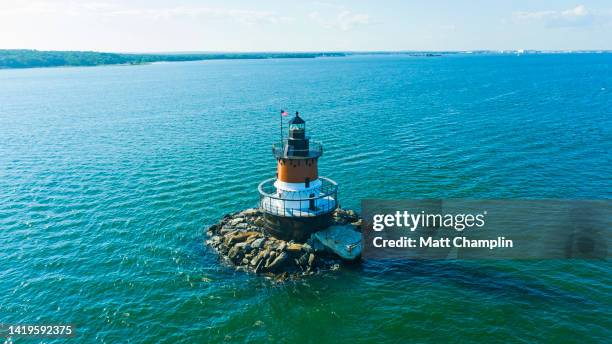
(310, 51)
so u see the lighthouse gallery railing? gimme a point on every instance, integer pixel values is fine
(281, 150)
(301, 204)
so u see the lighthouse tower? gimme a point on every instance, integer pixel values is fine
(298, 201)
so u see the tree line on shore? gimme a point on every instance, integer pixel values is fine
(22, 58)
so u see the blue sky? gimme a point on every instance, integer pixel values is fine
(331, 25)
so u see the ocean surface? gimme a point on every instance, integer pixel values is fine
(110, 175)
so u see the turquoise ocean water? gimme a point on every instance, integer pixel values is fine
(109, 176)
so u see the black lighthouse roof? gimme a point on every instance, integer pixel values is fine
(297, 119)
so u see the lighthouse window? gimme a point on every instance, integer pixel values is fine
(297, 127)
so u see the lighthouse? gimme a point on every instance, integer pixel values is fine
(297, 202)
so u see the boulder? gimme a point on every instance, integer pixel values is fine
(266, 253)
(235, 221)
(270, 243)
(215, 240)
(239, 237)
(226, 229)
(259, 266)
(311, 259)
(250, 212)
(270, 259)
(307, 248)
(294, 248)
(342, 216)
(279, 261)
(242, 225)
(258, 243)
(255, 261)
(272, 254)
(243, 246)
(259, 222)
(250, 239)
(233, 253)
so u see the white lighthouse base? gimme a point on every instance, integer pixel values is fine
(298, 208)
(294, 211)
(297, 200)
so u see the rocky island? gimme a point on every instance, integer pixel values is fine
(241, 240)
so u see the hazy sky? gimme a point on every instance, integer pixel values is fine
(155, 25)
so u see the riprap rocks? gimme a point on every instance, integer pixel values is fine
(240, 239)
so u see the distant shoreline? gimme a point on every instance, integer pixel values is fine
(23, 58)
(20, 59)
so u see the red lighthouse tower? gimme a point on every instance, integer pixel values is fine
(298, 201)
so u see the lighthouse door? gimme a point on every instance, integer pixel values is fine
(311, 202)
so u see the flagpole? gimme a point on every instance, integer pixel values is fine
(281, 127)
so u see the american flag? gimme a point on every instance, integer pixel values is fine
(284, 113)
